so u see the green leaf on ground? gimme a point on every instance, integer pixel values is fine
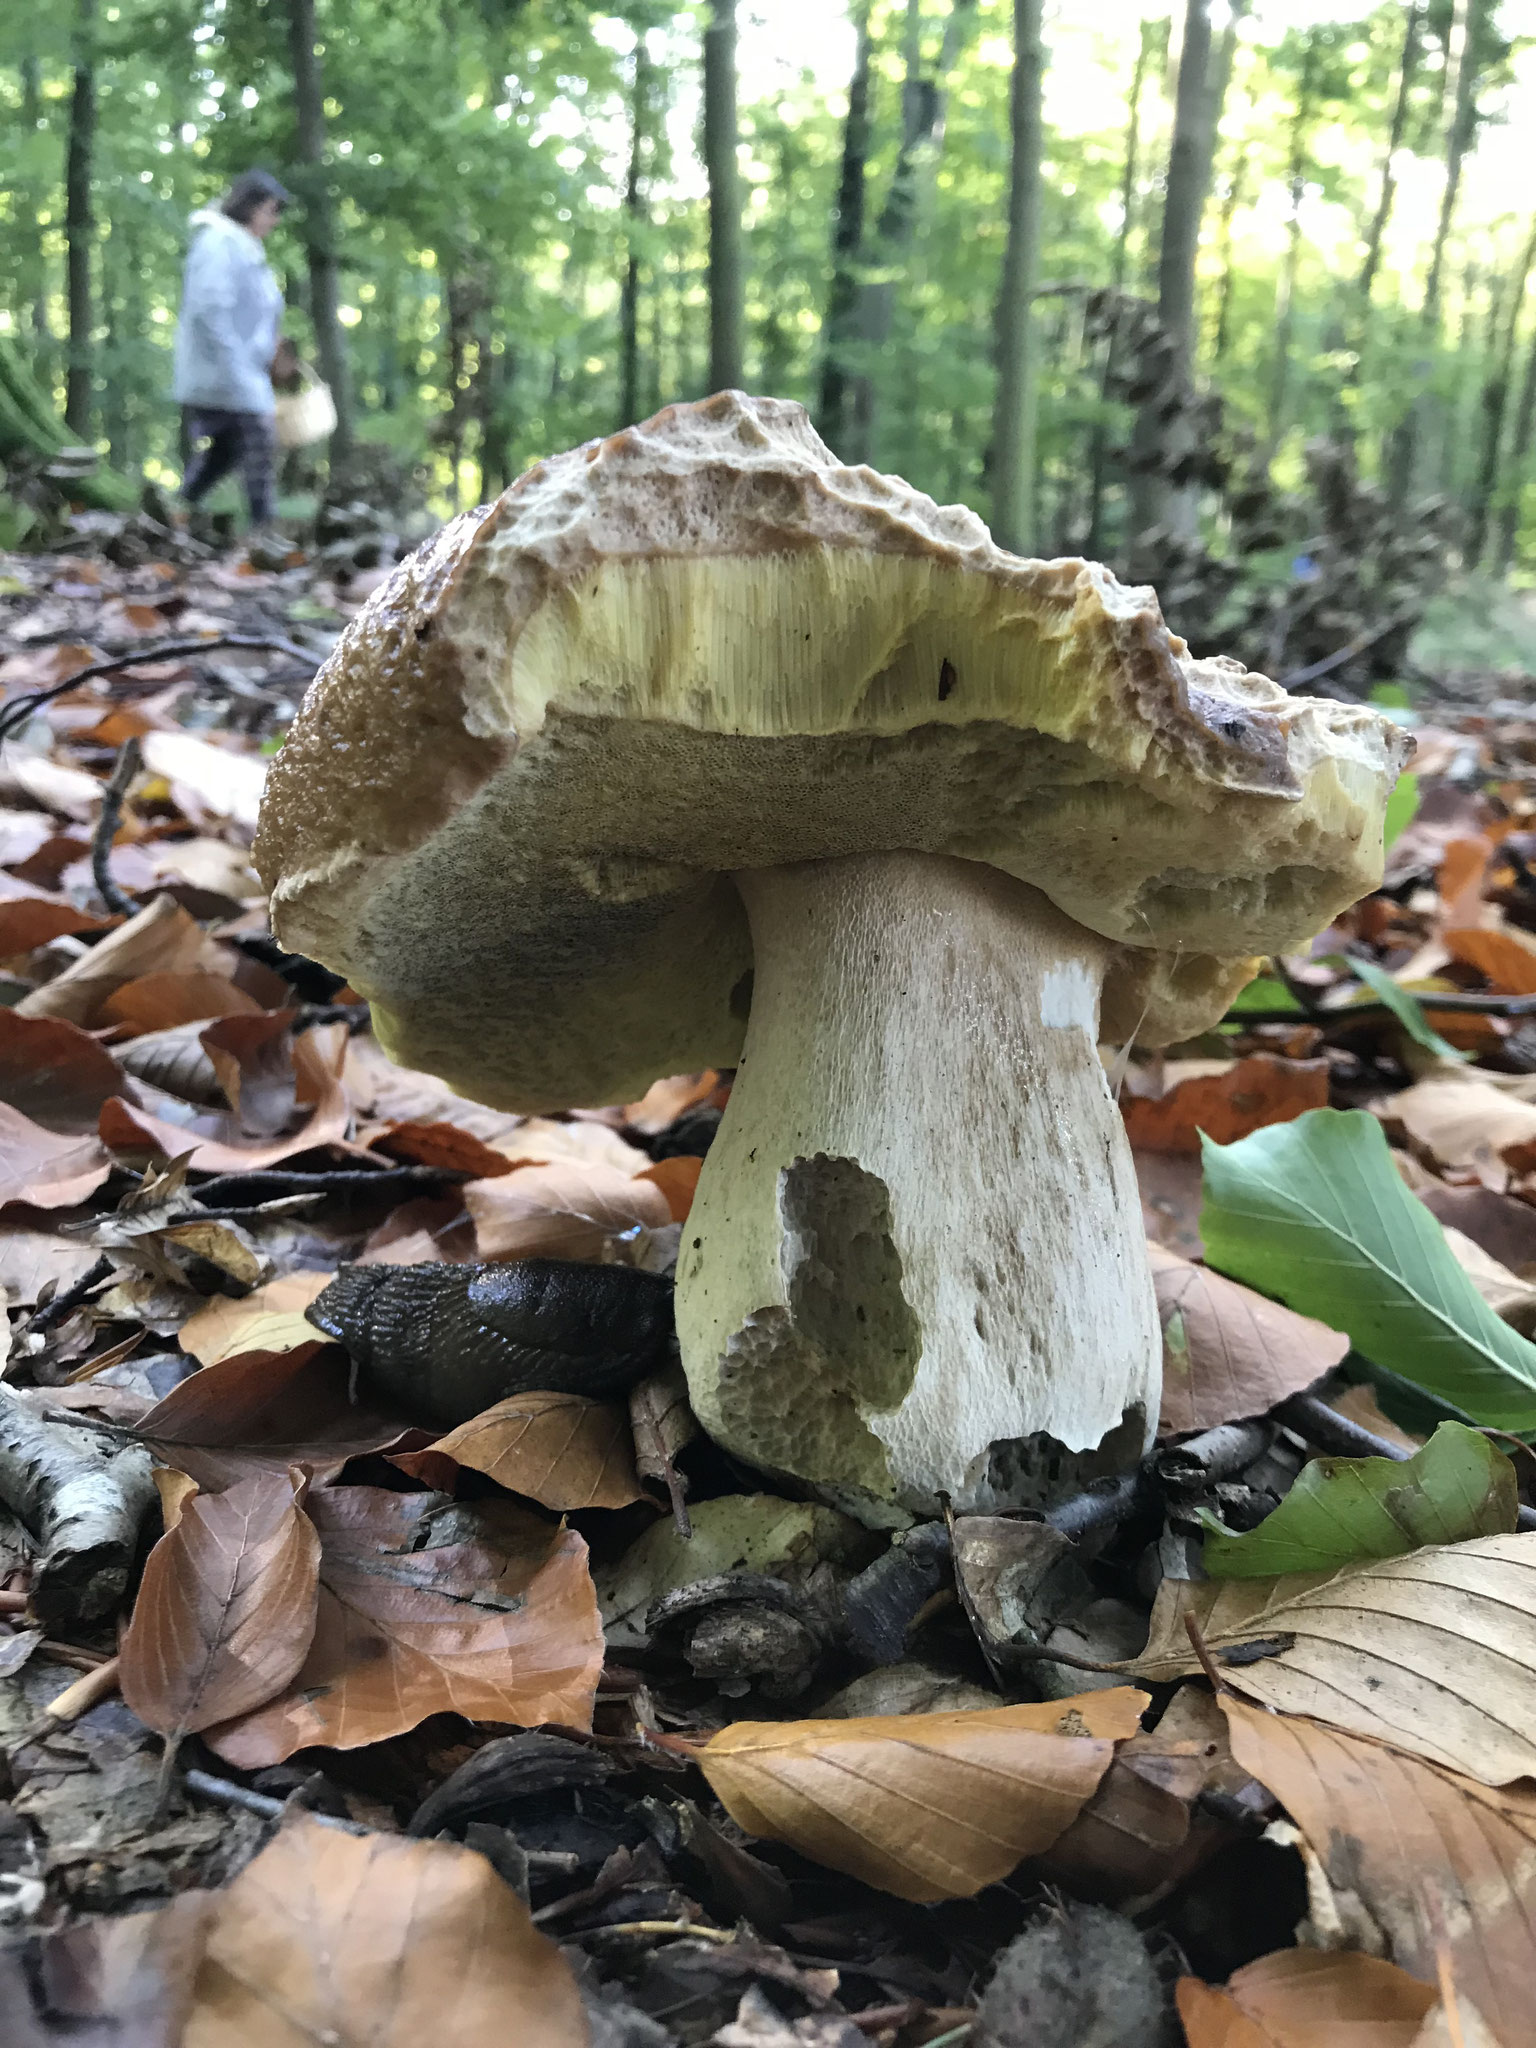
(1402, 807)
(1313, 1213)
(1343, 1509)
(1406, 1008)
(1268, 992)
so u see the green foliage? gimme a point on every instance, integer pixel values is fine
(1402, 806)
(1342, 1510)
(1406, 1008)
(1314, 1213)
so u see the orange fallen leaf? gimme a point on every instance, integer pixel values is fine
(44, 1168)
(379, 1939)
(1463, 866)
(55, 1073)
(559, 1449)
(161, 938)
(1506, 958)
(1394, 1830)
(253, 1057)
(1302, 1998)
(159, 1002)
(928, 1806)
(1229, 1353)
(447, 1145)
(265, 1410)
(270, 1318)
(665, 1101)
(226, 1609)
(217, 1143)
(28, 921)
(678, 1179)
(566, 1210)
(429, 1606)
(1240, 1099)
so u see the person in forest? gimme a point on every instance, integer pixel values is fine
(227, 341)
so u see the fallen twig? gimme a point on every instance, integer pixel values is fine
(17, 713)
(69, 1298)
(273, 1181)
(83, 1502)
(128, 762)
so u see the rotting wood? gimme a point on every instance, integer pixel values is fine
(83, 1497)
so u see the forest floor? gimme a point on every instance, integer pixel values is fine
(321, 1721)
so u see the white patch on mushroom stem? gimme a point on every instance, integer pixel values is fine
(1069, 995)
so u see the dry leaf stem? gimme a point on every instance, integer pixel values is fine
(129, 760)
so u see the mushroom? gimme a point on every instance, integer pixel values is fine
(698, 748)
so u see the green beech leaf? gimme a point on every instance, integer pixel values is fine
(1406, 1008)
(1402, 806)
(1344, 1509)
(1266, 992)
(1313, 1213)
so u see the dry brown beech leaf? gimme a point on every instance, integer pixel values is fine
(928, 1806)
(1420, 1849)
(428, 1606)
(55, 1073)
(43, 1168)
(226, 1608)
(1434, 1651)
(570, 1209)
(163, 938)
(1227, 1104)
(1461, 1121)
(439, 1144)
(265, 1411)
(270, 1318)
(217, 1143)
(159, 1002)
(1301, 1998)
(377, 1939)
(664, 1101)
(1228, 1352)
(252, 1055)
(561, 1450)
(28, 921)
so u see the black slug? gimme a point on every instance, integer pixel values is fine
(445, 1342)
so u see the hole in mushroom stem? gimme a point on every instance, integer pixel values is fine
(947, 678)
(741, 996)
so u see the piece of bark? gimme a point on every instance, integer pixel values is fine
(84, 1498)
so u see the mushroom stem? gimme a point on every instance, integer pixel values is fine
(917, 1240)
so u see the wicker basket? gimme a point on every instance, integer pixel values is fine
(306, 415)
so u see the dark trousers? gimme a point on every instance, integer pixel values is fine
(223, 441)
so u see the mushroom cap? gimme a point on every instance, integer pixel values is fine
(510, 806)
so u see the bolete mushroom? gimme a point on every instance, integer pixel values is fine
(697, 749)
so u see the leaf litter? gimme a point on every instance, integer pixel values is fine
(347, 1605)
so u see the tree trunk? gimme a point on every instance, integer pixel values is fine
(1493, 404)
(1013, 455)
(1285, 289)
(34, 258)
(319, 216)
(847, 246)
(1408, 65)
(1197, 110)
(922, 129)
(1232, 198)
(726, 284)
(634, 214)
(79, 223)
(1512, 489)
(1098, 452)
(1463, 67)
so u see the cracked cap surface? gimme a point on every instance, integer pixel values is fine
(510, 805)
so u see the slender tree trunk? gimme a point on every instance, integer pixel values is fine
(1013, 480)
(847, 246)
(1232, 199)
(1512, 487)
(80, 223)
(1285, 290)
(1407, 72)
(319, 217)
(1463, 67)
(922, 131)
(1202, 84)
(726, 282)
(1493, 404)
(634, 215)
(1098, 450)
(34, 258)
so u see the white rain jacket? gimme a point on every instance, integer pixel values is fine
(231, 306)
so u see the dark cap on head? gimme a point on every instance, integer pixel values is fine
(250, 190)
